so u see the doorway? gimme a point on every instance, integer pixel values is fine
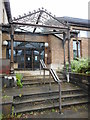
(27, 54)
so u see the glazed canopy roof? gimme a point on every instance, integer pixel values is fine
(39, 21)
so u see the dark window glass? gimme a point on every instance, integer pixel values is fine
(75, 49)
(27, 54)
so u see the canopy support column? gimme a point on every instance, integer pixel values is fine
(68, 33)
(64, 36)
(12, 61)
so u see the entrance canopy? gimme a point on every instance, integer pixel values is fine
(39, 21)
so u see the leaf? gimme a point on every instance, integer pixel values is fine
(5, 86)
(20, 95)
(31, 113)
(79, 65)
(53, 110)
(19, 115)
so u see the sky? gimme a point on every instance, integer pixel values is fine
(59, 8)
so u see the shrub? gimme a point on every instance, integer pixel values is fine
(19, 78)
(80, 66)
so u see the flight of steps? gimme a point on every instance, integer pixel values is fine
(39, 95)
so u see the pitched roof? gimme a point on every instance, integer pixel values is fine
(8, 10)
(76, 21)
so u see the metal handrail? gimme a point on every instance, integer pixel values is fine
(55, 77)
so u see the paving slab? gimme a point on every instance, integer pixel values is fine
(68, 112)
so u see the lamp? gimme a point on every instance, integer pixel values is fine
(45, 55)
(5, 43)
(46, 44)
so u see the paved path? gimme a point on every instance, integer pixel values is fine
(70, 112)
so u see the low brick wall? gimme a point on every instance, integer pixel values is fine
(81, 80)
(7, 102)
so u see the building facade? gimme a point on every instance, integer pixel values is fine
(29, 48)
(5, 15)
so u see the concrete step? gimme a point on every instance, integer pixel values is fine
(44, 98)
(33, 100)
(61, 76)
(38, 81)
(35, 76)
(42, 89)
(48, 105)
(39, 96)
(28, 83)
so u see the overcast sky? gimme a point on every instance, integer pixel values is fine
(71, 8)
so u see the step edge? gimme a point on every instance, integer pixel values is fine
(51, 106)
(56, 97)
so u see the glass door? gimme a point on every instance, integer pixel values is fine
(36, 59)
(27, 55)
(28, 58)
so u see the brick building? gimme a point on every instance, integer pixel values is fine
(29, 47)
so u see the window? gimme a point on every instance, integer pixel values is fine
(75, 49)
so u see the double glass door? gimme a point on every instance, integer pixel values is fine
(27, 54)
(33, 59)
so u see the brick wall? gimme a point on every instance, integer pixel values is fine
(21, 37)
(84, 47)
(54, 52)
(29, 37)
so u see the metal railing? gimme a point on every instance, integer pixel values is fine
(55, 78)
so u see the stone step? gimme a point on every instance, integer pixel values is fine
(48, 105)
(39, 82)
(40, 95)
(44, 98)
(38, 78)
(61, 76)
(42, 89)
(35, 76)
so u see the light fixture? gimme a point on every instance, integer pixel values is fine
(46, 44)
(5, 43)
(45, 55)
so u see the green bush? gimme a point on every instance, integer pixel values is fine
(80, 66)
(19, 78)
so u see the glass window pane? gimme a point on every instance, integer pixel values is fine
(74, 45)
(75, 49)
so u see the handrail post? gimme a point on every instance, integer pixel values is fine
(59, 97)
(55, 77)
(40, 68)
(49, 81)
(44, 76)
